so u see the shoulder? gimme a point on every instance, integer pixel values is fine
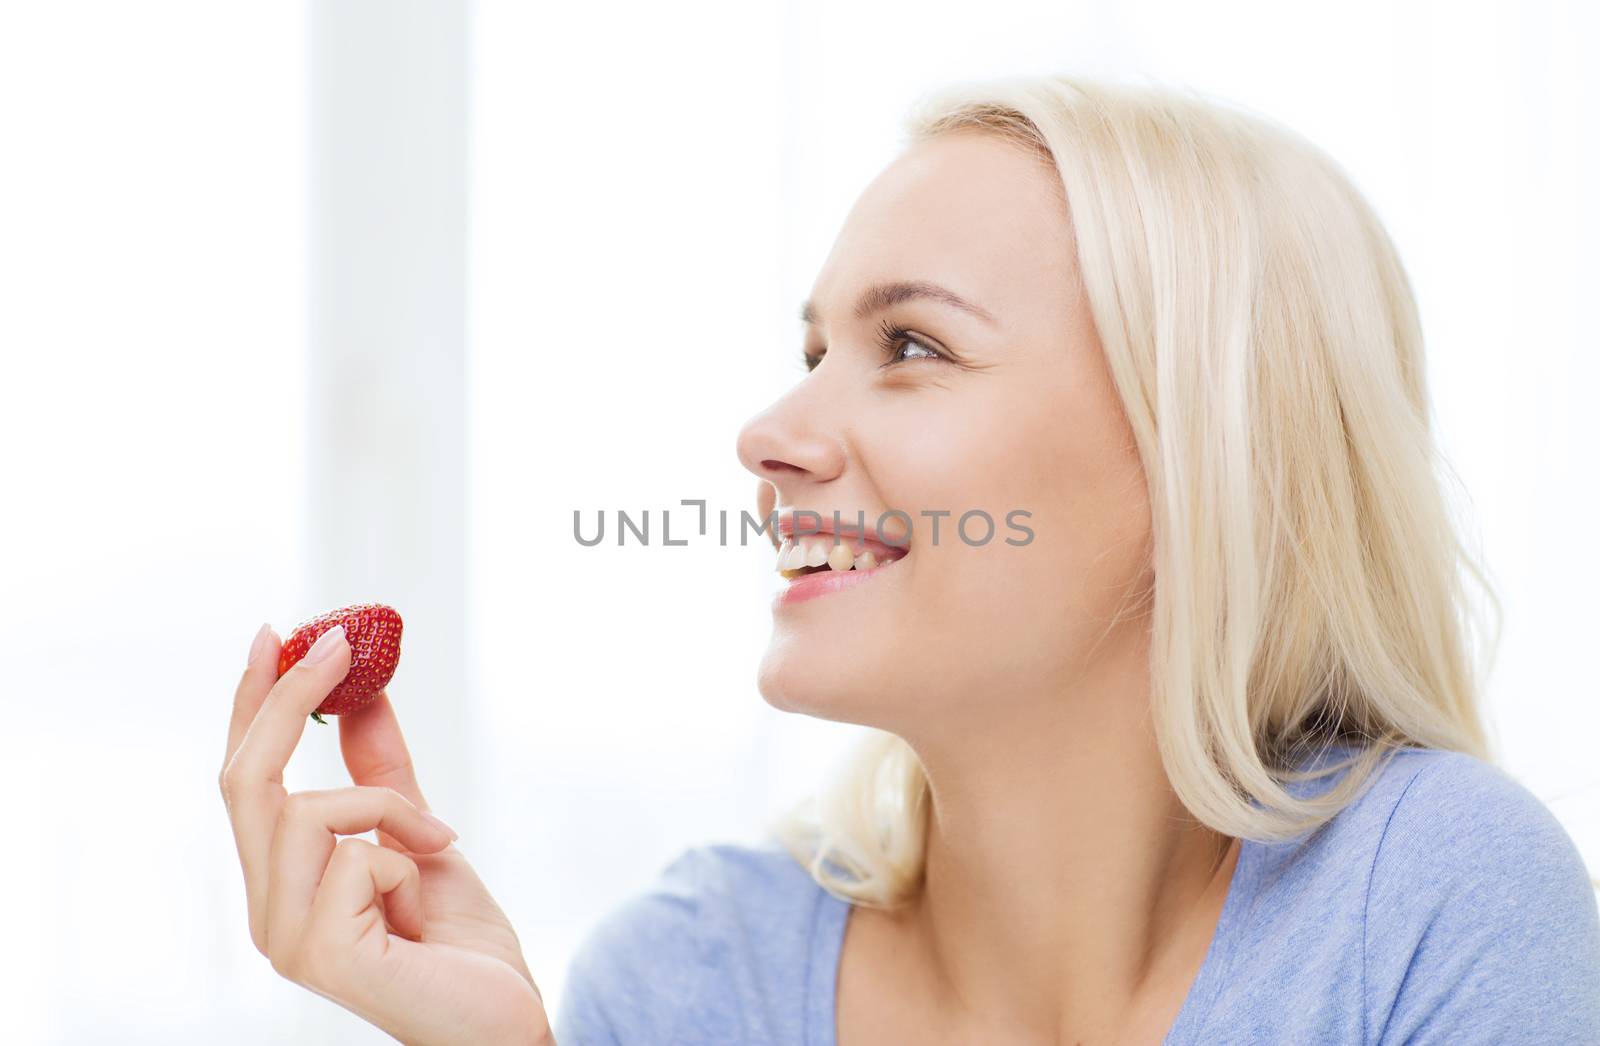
(674, 960)
(1450, 810)
(1459, 825)
(1479, 912)
(707, 885)
(1443, 903)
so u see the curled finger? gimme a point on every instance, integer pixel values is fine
(358, 875)
(304, 843)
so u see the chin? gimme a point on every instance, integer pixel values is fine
(791, 680)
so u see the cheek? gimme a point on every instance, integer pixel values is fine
(972, 617)
(1083, 491)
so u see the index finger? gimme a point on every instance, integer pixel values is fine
(260, 672)
(272, 735)
(252, 779)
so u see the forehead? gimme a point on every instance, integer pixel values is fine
(968, 210)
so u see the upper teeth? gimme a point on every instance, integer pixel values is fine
(822, 550)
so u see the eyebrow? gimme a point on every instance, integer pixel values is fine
(883, 295)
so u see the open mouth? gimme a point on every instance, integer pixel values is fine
(823, 553)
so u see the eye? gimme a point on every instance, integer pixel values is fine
(896, 343)
(895, 340)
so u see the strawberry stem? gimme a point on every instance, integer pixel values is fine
(319, 719)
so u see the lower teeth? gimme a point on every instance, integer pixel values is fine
(790, 575)
(803, 571)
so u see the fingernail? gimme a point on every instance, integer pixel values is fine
(258, 645)
(325, 645)
(434, 820)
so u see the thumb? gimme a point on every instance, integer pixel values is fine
(375, 751)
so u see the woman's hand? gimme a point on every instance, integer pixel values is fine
(402, 933)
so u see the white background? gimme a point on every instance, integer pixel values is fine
(302, 305)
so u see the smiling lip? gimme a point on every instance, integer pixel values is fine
(858, 538)
(825, 582)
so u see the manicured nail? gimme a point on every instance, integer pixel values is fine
(258, 645)
(434, 820)
(325, 645)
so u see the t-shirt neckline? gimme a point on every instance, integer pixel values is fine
(831, 916)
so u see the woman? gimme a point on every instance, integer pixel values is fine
(1189, 750)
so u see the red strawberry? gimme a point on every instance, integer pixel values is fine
(373, 631)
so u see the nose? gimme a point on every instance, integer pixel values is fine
(788, 445)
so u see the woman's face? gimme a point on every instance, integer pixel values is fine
(1010, 412)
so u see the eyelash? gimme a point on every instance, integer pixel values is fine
(890, 337)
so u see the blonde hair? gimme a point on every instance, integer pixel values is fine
(1264, 342)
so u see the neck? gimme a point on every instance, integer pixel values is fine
(1066, 886)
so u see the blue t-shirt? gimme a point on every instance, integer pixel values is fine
(1445, 905)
